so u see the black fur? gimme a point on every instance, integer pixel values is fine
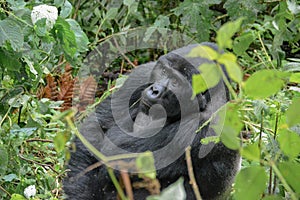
(214, 165)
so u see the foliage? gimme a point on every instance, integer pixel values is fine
(265, 89)
(273, 141)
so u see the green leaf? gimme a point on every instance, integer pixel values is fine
(242, 43)
(265, 83)
(225, 33)
(250, 183)
(60, 140)
(66, 9)
(229, 125)
(293, 7)
(204, 51)
(66, 37)
(244, 8)
(9, 61)
(295, 77)
(233, 69)
(209, 77)
(291, 173)
(111, 13)
(3, 160)
(251, 152)
(17, 197)
(82, 40)
(40, 27)
(10, 177)
(292, 113)
(289, 143)
(273, 197)
(145, 164)
(175, 191)
(12, 33)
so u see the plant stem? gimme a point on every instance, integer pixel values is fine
(283, 181)
(116, 183)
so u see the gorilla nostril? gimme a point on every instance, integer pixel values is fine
(155, 91)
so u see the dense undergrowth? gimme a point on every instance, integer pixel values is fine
(261, 39)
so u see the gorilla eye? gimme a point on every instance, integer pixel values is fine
(174, 82)
(164, 73)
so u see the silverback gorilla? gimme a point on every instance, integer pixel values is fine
(153, 111)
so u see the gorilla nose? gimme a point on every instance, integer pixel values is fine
(155, 91)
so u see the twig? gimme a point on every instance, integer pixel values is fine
(35, 162)
(271, 191)
(4, 190)
(76, 9)
(39, 140)
(283, 181)
(122, 53)
(260, 132)
(88, 169)
(191, 173)
(116, 183)
(127, 184)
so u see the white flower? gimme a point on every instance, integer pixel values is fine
(44, 11)
(30, 191)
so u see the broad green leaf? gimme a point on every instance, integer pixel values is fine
(295, 77)
(145, 164)
(111, 13)
(293, 6)
(3, 160)
(66, 37)
(10, 177)
(81, 38)
(17, 197)
(251, 152)
(66, 10)
(40, 27)
(233, 69)
(9, 61)
(229, 126)
(242, 43)
(204, 52)
(149, 33)
(12, 33)
(289, 143)
(128, 2)
(292, 114)
(273, 197)
(175, 191)
(209, 77)
(265, 83)
(225, 33)
(291, 173)
(250, 183)
(60, 141)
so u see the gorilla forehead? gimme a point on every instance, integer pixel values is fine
(180, 61)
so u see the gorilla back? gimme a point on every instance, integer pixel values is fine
(154, 111)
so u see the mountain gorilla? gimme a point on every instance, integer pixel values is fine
(154, 111)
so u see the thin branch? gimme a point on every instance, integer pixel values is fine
(39, 140)
(122, 53)
(191, 173)
(88, 169)
(4, 190)
(127, 184)
(40, 164)
(116, 183)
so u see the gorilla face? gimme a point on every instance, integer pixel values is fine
(170, 86)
